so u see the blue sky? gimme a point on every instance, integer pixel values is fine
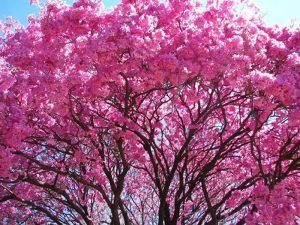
(279, 12)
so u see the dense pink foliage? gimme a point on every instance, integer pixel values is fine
(157, 112)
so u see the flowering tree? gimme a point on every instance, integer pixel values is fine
(155, 112)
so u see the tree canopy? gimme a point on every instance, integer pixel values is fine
(154, 112)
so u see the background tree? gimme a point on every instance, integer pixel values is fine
(157, 112)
